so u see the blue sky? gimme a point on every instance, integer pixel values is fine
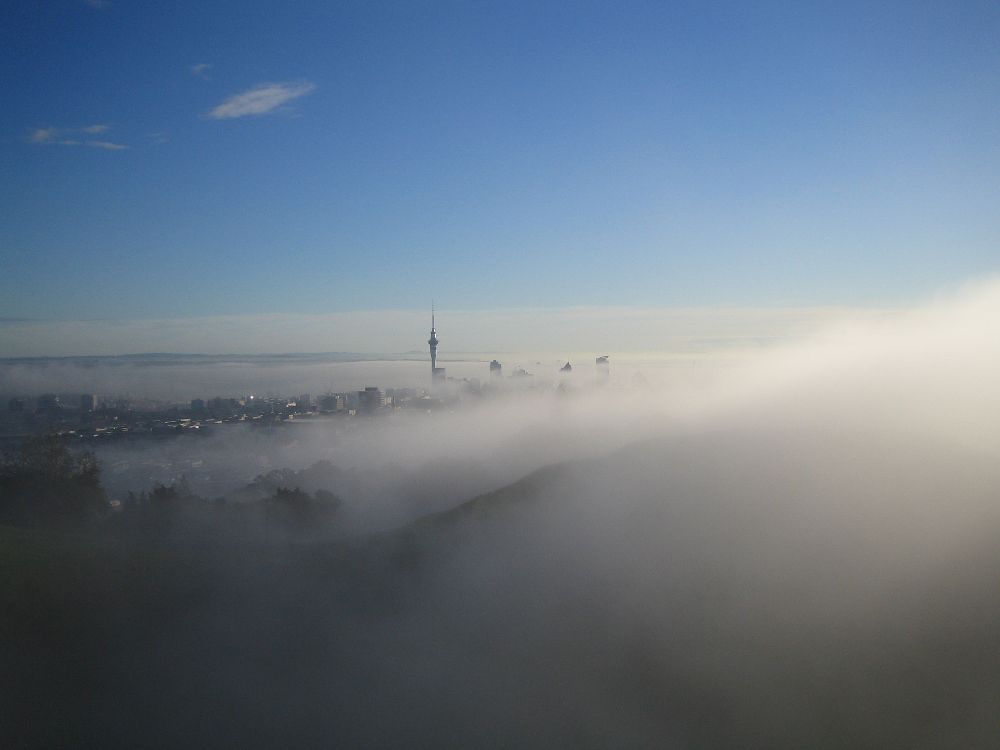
(170, 160)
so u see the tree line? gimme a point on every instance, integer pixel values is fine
(46, 484)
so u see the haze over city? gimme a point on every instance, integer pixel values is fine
(448, 374)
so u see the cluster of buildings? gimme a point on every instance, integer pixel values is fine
(438, 374)
(86, 417)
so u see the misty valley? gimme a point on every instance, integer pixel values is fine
(799, 551)
(726, 590)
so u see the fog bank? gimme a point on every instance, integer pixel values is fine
(793, 548)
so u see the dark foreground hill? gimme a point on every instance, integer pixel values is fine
(724, 590)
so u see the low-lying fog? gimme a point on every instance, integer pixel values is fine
(928, 374)
(797, 549)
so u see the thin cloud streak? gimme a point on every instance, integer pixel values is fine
(64, 137)
(260, 100)
(200, 70)
(107, 145)
(43, 135)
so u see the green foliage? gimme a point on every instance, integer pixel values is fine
(163, 511)
(44, 483)
(298, 512)
(173, 513)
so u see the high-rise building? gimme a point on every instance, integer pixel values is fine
(223, 407)
(332, 402)
(603, 367)
(88, 402)
(495, 369)
(370, 399)
(48, 402)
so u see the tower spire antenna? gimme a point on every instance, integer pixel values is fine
(437, 373)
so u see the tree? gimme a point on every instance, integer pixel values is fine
(296, 511)
(44, 483)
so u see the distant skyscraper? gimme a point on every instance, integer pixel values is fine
(88, 402)
(370, 399)
(437, 373)
(495, 368)
(603, 366)
(332, 402)
(48, 402)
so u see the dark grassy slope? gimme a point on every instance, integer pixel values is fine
(732, 591)
(717, 591)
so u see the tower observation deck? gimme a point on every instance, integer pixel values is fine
(437, 373)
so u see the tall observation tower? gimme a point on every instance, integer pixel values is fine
(437, 373)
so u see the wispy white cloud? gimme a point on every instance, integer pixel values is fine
(65, 137)
(43, 135)
(200, 70)
(260, 100)
(107, 145)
